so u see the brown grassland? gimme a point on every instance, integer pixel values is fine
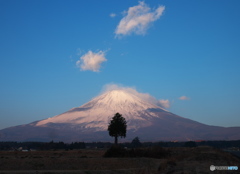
(180, 160)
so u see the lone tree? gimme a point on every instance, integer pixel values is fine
(117, 127)
(136, 142)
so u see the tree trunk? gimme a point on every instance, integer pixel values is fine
(116, 140)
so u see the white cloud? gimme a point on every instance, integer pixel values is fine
(112, 15)
(144, 96)
(91, 61)
(184, 98)
(164, 103)
(138, 19)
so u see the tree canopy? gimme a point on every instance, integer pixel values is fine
(117, 127)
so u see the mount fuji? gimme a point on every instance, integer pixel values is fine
(145, 119)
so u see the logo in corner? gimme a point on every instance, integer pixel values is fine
(212, 168)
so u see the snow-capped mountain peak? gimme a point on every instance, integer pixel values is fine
(89, 122)
(98, 112)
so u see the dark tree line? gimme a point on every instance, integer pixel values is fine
(41, 145)
(81, 145)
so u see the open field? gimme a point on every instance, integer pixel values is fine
(91, 161)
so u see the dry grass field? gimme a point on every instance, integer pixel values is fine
(91, 161)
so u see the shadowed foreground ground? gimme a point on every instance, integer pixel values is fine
(180, 160)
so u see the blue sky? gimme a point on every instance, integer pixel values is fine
(168, 49)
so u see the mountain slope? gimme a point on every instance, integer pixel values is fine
(144, 119)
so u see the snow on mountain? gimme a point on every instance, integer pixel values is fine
(98, 112)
